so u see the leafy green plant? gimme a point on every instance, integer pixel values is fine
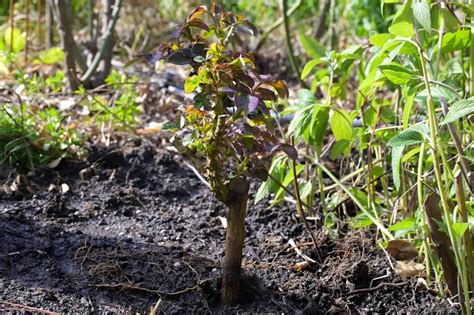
(31, 138)
(227, 131)
(415, 99)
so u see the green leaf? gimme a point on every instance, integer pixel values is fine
(19, 41)
(300, 122)
(406, 137)
(402, 23)
(398, 78)
(459, 228)
(276, 170)
(459, 109)
(379, 40)
(421, 12)
(397, 74)
(319, 124)
(306, 97)
(341, 125)
(406, 224)
(450, 21)
(455, 41)
(306, 189)
(339, 147)
(191, 83)
(280, 193)
(314, 49)
(397, 153)
(437, 93)
(51, 56)
(308, 67)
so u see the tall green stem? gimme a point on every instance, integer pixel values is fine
(289, 46)
(434, 143)
(471, 55)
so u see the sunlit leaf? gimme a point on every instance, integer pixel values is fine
(341, 125)
(459, 109)
(309, 67)
(51, 56)
(455, 41)
(421, 12)
(402, 23)
(19, 40)
(406, 137)
(380, 39)
(312, 47)
(459, 228)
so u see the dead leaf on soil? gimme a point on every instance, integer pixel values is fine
(223, 222)
(54, 163)
(300, 266)
(150, 129)
(409, 269)
(401, 250)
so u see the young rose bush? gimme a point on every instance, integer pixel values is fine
(227, 131)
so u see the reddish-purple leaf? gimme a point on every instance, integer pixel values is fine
(179, 58)
(199, 24)
(287, 149)
(266, 78)
(197, 12)
(215, 9)
(247, 80)
(247, 102)
(266, 94)
(281, 88)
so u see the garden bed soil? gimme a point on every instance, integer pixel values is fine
(132, 229)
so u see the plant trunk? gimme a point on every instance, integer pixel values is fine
(234, 243)
(106, 64)
(67, 40)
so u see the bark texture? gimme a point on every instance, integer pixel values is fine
(235, 236)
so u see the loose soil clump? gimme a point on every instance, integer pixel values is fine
(137, 230)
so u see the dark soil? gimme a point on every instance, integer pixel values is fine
(137, 230)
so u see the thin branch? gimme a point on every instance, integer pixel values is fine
(106, 44)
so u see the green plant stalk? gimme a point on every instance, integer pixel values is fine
(428, 251)
(12, 23)
(370, 188)
(440, 44)
(276, 24)
(461, 201)
(27, 29)
(439, 180)
(289, 46)
(322, 194)
(332, 14)
(383, 180)
(471, 51)
(364, 210)
(299, 207)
